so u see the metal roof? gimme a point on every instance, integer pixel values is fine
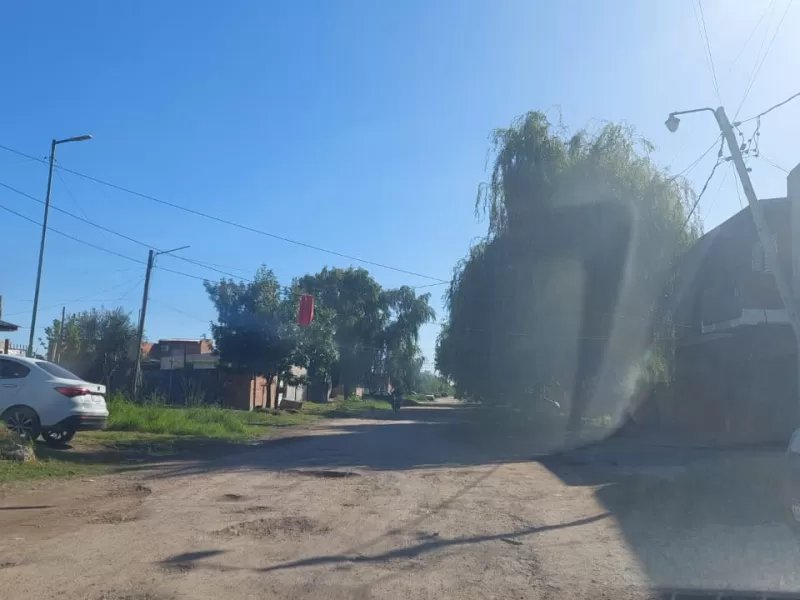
(6, 326)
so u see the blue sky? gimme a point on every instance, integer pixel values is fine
(356, 126)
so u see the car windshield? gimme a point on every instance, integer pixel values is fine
(518, 279)
(56, 370)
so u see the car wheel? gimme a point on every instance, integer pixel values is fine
(23, 421)
(57, 437)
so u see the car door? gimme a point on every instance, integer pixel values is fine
(12, 378)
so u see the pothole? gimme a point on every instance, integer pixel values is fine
(248, 510)
(231, 498)
(286, 526)
(113, 518)
(324, 473)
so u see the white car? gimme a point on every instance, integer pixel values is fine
(38, 397)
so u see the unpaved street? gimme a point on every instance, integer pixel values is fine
(407, 506)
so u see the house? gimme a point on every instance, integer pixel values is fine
(182, 360)
(735, 372)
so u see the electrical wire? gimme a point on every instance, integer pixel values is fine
(769, 110)
(73, 301)
(763, 58)
(230, 223)
(772, 163)
(707, 47)
(705, 185)
(750, 37)
(697, 160)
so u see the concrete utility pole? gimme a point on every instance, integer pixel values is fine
(770, 249)
(137, 373)
(53, 144)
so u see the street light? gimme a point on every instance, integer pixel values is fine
(53, 144)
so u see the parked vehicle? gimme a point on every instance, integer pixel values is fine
(430, 398)
(38, 397)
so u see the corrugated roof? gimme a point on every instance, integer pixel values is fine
(6, 326)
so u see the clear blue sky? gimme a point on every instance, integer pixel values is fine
(358, 126)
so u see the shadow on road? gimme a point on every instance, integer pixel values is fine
(415, 438)
(694, 518)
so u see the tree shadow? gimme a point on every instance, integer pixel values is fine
(695, 518)
(415, 438)
(429, 545)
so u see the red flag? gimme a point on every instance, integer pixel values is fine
(306, 313)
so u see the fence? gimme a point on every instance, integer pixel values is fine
(14, 349)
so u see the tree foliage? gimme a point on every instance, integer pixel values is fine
(95, 342)
(375, 331)
(564, 295)
(360, 330)
(255, 330)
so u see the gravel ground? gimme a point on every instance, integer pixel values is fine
(403, 507)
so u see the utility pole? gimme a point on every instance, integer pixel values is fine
(770, 249)
(57, 351)
(137, 374)
(53, 144)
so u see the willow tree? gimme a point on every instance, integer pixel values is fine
(563, 298)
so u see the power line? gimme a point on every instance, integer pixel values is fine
(770, 109)
(705, 185)
(231, 223)
(763, 58)
(73, 301)
(707, 46)
(72, 237)
(772, 163)
(750, 37)
(149, 246)
(697, 160)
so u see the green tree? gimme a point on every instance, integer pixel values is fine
(95, 343)
(374, 331)
(255, 332)
(564, 295)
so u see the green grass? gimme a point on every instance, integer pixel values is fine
(141, 433)
(11, 472)
(345, 407)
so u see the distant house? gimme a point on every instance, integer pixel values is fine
(177, 357)
(735, 357)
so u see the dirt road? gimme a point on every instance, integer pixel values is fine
(402, 507)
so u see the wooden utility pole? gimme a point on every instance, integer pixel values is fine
(137, 373)
(57, 350)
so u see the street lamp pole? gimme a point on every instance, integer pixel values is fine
(762, 230)
(53, 144)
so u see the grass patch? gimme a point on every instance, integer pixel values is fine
(143, 433)
(346, 407)
(12, 471)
